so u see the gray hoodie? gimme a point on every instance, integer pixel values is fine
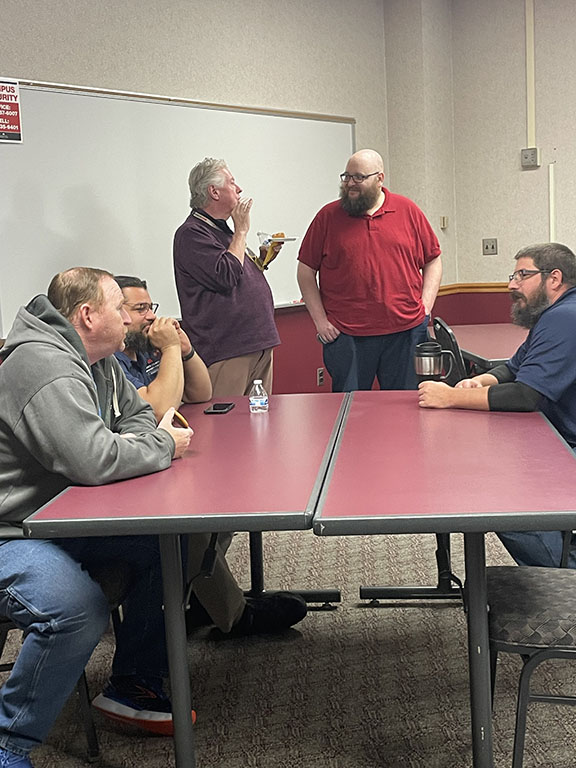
(61, 420)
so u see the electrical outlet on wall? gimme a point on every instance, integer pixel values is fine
(490, 246)
(320, 377)
(530, 157)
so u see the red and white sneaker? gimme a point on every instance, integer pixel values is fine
(140, 702)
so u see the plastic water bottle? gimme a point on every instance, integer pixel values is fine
(258, 398)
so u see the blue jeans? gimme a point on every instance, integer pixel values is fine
(47, 591)
(354, 362)
(541, 548)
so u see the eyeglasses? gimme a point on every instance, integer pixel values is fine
(357, 177)
(143, 308)
(522, 274)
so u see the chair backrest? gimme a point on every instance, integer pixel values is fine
(445, 336)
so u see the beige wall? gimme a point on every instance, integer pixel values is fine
(303, 55)
(457, 120)
(418, 36)
(556, 108)
(495, 197)
(437, 86)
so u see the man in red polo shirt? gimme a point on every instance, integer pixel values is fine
(379, 268)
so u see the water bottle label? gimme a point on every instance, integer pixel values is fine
(259, 402)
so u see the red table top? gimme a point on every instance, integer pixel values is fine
(489, 342)
(242, 472)
(399, 468)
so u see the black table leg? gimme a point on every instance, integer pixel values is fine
(478, 650)
(325, 596)
(442, 591)
(256, 564)
(173, 586)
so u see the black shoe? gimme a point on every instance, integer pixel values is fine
(270, 613)
(196, 616)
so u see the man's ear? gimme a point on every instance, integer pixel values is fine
(84, 316)
(556, 276)
(213, 192)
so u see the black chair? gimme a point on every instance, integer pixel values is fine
(445, 336)
(532, 612)
(114, 579)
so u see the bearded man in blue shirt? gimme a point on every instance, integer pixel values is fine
(540, 376)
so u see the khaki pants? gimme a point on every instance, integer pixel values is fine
(235, 376)
(219, 594)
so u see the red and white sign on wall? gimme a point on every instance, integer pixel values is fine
(10, 123)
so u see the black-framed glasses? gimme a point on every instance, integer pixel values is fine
(143, 308)
(358, 178)
(522, 274)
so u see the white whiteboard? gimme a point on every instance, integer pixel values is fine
(101, 180)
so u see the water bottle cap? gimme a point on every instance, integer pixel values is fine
(257, 381)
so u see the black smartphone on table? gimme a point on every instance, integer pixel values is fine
(219, 408)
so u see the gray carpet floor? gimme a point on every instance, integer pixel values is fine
(356, 687)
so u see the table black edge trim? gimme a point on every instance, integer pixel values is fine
(277, 521)
(325, 468)
(345, 410)
(474, 523)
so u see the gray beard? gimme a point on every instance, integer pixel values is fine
(137, 342)
(526, 315)
(359, 205)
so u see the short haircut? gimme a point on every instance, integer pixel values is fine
(205, 174)
(126, 281)
(70, 289)
(549, 256)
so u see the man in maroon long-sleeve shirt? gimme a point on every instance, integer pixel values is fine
(225, 301)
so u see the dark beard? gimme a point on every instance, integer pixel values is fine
(137, 342)
(526, 314)
(359, 205)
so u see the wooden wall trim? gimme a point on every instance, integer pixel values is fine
(445, 290)
(448, 290)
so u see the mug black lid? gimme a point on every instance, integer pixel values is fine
(428, 348)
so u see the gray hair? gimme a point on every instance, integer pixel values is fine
(205, 174)
(549, 256)
(76, 286)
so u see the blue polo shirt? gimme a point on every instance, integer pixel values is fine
(546, 361)
(141, 371)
